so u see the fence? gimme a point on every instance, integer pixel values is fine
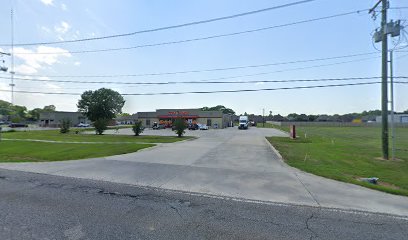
(333, 124)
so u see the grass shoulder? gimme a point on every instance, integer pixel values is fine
(23, 147)
(347, 154)
(55, 135)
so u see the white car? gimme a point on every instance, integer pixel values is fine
(83, 125)
(203, 127)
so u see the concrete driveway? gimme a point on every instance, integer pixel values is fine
(227, 162)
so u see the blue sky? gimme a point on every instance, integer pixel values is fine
(56, 20)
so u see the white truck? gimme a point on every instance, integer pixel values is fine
(243, 122)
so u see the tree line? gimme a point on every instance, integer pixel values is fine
(17, 113)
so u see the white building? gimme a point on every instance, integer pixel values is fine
(398, 118)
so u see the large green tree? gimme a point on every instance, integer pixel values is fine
(101, 105)
(222, 108)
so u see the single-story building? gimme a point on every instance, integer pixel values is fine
(54, 119)
(166, 117)
(127, 120)
(398, 118)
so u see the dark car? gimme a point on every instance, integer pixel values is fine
(157, 126)
(193, 127)
(16, 125)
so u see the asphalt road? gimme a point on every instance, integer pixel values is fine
(38, 206)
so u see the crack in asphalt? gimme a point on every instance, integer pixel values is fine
(176, 210)
(313, 233)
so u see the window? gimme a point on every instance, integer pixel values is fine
(208, 122)
(147, 122)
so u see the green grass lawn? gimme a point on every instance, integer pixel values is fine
(346, 154)
(30, 151)
(18, 151)
(55, 135)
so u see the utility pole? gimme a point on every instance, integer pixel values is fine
(392, 106)
(392, 28)
(384, 84)
(384, 74)
(12, 58)
(263, 117)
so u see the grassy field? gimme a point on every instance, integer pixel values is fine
(102, 145)
(347, 154)
(18, 151)
(54, 135)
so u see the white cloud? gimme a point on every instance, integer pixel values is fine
(48, 2)
(32, 62)
(64, 7)
(77, 63)
(25, 69)
(62, 28)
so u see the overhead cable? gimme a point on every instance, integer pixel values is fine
(167, 27)
(194, 39)
(219, 91)
(207, 82)
(199, 70)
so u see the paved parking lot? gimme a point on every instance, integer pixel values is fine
(225, 162)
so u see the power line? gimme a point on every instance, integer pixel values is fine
(201, 70)
(217, 82)
(168, 27)
(198, 39)
(197, 81)
(219, 91)
(398, 8)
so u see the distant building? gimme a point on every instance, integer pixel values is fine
(166, 117)
(54, 119)
(127, 120)
(398, 118)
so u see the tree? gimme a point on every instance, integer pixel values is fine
(65, 125)
(180, 126)
(35, 113)
(5, 107)
(124, 115)
(137, 128)
(49, 108)
(221, 108)
(18, 111)
(100, 125)
(100, 106)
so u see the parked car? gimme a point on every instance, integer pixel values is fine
(83, 125)
(15, 125)
(203, 127)
(157, 126)
(193, 127)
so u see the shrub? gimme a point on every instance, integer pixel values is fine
(101, 125)
(137, 128)
(180, 126)
(65, 125)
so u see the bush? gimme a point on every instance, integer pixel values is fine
(137, 128)
(180, 126)
(65, 125)
(101, 125)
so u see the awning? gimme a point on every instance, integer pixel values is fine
(178, 116)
